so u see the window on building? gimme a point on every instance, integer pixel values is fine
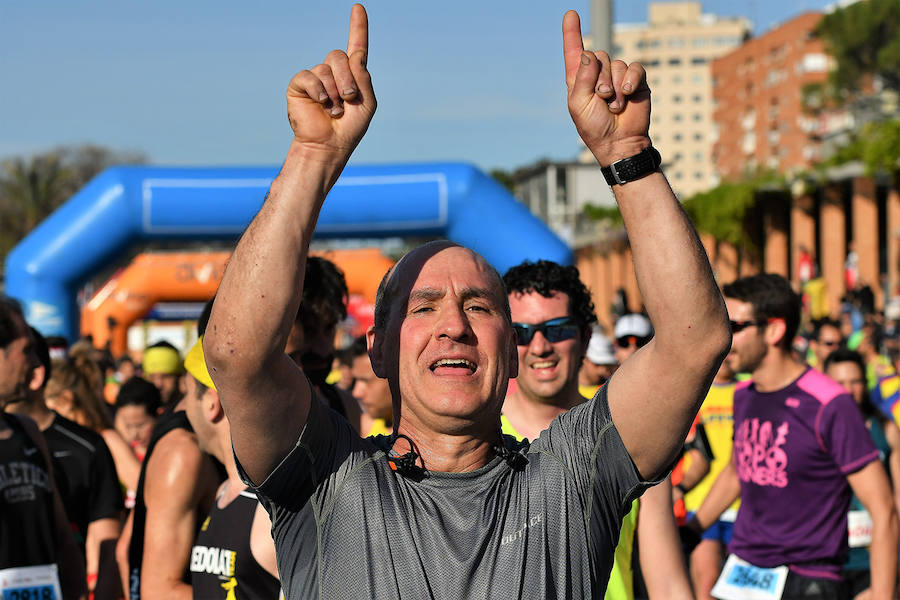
(676, 99)
(700, 42)
(697, 117)
(677, 117)
(698, 60)
(679, 175)
(697, 98)
(678, 156)
(696, 79)
(698, 175)
(617, 50)
(677, 137)
(674, 62)
(698, 136)
(815, 63)
(676, 42)
(676, 79)
(650, 62)
(698, 156)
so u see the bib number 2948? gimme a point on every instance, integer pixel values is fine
(742, 581)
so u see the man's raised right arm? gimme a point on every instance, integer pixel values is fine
(265, 396)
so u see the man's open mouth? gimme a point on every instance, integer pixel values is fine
(448, 364)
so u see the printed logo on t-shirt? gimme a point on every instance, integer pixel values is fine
(759, 454)
(19, 480)
(520, 533)
(216, 561)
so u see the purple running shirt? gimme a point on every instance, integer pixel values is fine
(793, 450)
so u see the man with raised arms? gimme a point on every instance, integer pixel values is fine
(448, 507)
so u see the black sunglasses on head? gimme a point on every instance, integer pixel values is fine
(555, 330)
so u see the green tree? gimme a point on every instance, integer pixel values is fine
(33, 187)
(864, 39)
(504, 178)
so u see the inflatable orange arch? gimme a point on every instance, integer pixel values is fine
(194, 277)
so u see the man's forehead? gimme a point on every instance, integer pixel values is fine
(438, 266)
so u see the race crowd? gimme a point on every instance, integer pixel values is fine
(486, 438)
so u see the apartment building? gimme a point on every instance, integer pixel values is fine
(677, 46)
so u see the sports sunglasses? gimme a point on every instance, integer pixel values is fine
(555, 330)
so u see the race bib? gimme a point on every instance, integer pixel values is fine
(30, 583)
(859, 528)
(742, 581)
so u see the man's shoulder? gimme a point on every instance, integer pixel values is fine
(176, 450)
(820, 387)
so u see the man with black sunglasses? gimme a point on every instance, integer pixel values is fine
(826, 339)
(631, 332)
(800, 445)
(552, 315)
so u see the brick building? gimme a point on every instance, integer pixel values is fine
(758, 94)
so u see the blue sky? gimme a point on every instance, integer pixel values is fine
(202, 83)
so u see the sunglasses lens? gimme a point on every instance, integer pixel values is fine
(559, 333)
(523, 335)
(737, 326)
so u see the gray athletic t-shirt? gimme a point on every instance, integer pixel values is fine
(544, 525)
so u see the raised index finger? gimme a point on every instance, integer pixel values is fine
(573, 46)
(359, 30)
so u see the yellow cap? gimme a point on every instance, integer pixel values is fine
(195, 364)
(161, 360)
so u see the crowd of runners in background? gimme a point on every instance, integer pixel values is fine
(138, 451)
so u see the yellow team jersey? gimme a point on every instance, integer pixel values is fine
(621, 578)
(717, 415)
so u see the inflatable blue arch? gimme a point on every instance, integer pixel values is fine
(124, 206)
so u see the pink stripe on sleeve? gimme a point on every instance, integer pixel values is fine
(859, 462)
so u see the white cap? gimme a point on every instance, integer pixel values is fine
(633, 324)
(600, 350)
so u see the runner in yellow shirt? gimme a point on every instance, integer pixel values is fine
(716, 416)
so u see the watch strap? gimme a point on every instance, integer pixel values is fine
(634, 167)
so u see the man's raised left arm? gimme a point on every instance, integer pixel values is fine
(654, 395)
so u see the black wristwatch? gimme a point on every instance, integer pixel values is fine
(634, 167)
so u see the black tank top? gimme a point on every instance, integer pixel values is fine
(27, 532)
(222, 565)
(167, 422)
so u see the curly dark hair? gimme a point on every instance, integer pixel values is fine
(772, 297)
(324, 290)
(546, 277)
